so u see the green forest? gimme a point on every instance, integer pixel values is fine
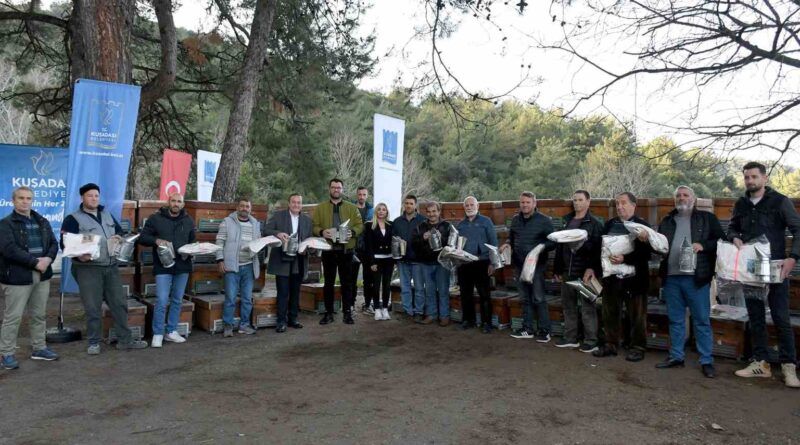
(311, 122)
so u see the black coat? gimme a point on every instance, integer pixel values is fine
(377, 243)
(588, 256)
(279, 263)
(706, 230)
(771, 217)
(525, 234)
(639, 258)
(177, 229)
(16, 264)
(422, 246)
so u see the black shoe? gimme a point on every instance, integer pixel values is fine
(670, 363)
(348, 318)
(486, 328)
(295, 325)
(280, 329)
(466, 325)
(327, 318)
(605, 351)
(708, 370)
(635, 355)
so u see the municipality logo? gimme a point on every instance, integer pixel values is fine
(43, 163)
(209, 171)
(390, 147)
(105, 121)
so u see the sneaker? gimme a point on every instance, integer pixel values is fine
(369, 310)
(9, 362)
(542, 337)
(246, 329)
(93, 349)
(386, 315)
(563, 343)
(174, 337)
(44, 354)
(227, 331)
(134, 344)
(587, 348)
(790, 375)
(756, 368)
(379, 314)
(522, 333)
(157, 341)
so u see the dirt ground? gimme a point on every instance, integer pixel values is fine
(379, 382)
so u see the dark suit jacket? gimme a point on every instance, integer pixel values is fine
(279, 263)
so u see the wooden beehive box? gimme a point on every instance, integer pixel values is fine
(205, 279)
(657, 328)
(265, 310)
(312, 298)
(729, 338)
(185, 322)
(208, 312)
(136, 321)
(127, 275)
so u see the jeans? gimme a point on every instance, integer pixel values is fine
(333, 260)
(470, 276)
(437, 282)
(288, 297)
(240, 282)
(34, 296)
(534, 302)
(569, 302)
(680, 292)
(381, 281)
(616, 293)
(98, 283)
(169, 291)
(778, 299)
(413, 302)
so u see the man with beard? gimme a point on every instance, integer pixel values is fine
(328, 216)
(436, 277)
(687, 226)
(764, 211)
(361, 258)
(409, 267)
(238, 264)
(170, 224)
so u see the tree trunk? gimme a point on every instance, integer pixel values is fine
(235, 145)
(100, 35)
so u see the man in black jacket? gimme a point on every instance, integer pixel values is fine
(630, 291)
(436, 277)
(763, 211)
(579, 265)
(530, 228)
(169, 224)
(686, 273)
(27, 248)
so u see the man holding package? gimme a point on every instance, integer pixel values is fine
(409, 266)
(289, 268)
(170, 225)
(27, 249)
(238, 264)
(436, 285)
(686, 273)
(580, 264)
(479, 231)
(764, 211)
(328, 221)
(98, 278)
(630, 290)
(529, 228)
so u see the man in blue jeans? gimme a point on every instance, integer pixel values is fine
(403, 226)
(238, 264)
(686, 280)
(436, 278)
(169, 224)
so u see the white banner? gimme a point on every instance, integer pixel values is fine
(207, 166)
(388, 162)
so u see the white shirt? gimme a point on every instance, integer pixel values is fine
(295, 222)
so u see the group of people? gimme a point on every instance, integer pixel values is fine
(360, 238)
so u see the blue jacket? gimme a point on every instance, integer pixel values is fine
(404, 228)
(478, 232)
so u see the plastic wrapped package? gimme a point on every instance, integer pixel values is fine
(76, 244)
(574, 238)
(657, 241)
(451, 258)
(747, 265)
(194, 249)
(259, 244)
(531, 261)
(616, 245)
(313, 242)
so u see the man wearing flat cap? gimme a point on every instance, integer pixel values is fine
(98, 279)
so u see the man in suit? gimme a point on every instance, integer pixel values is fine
(289, 270)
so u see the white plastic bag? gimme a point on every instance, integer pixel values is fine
(531, 261)
(657, 241)
(734, 264)
(313, 243)
(568, 236)
(76, 244)
(199, 249)
(451, 258)
(257, 245)
(616, 245)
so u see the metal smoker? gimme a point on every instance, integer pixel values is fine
(687, 262)
(291, 245)
(166, 255)
(435, 240)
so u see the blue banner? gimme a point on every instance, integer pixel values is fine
(44, 170)
(101, 138)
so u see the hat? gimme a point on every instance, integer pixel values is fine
(90, 186)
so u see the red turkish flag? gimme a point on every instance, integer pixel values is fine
(174, 173)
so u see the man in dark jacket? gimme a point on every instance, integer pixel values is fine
(403, 226)
(479, 231)
(630, 291)
(361, 258)
(289, 270)
(763, 211)
(436, 277)
(529, 228)
(98, 279)
(689, 230)
(583, 264)
(169, 224)
(27, 249)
